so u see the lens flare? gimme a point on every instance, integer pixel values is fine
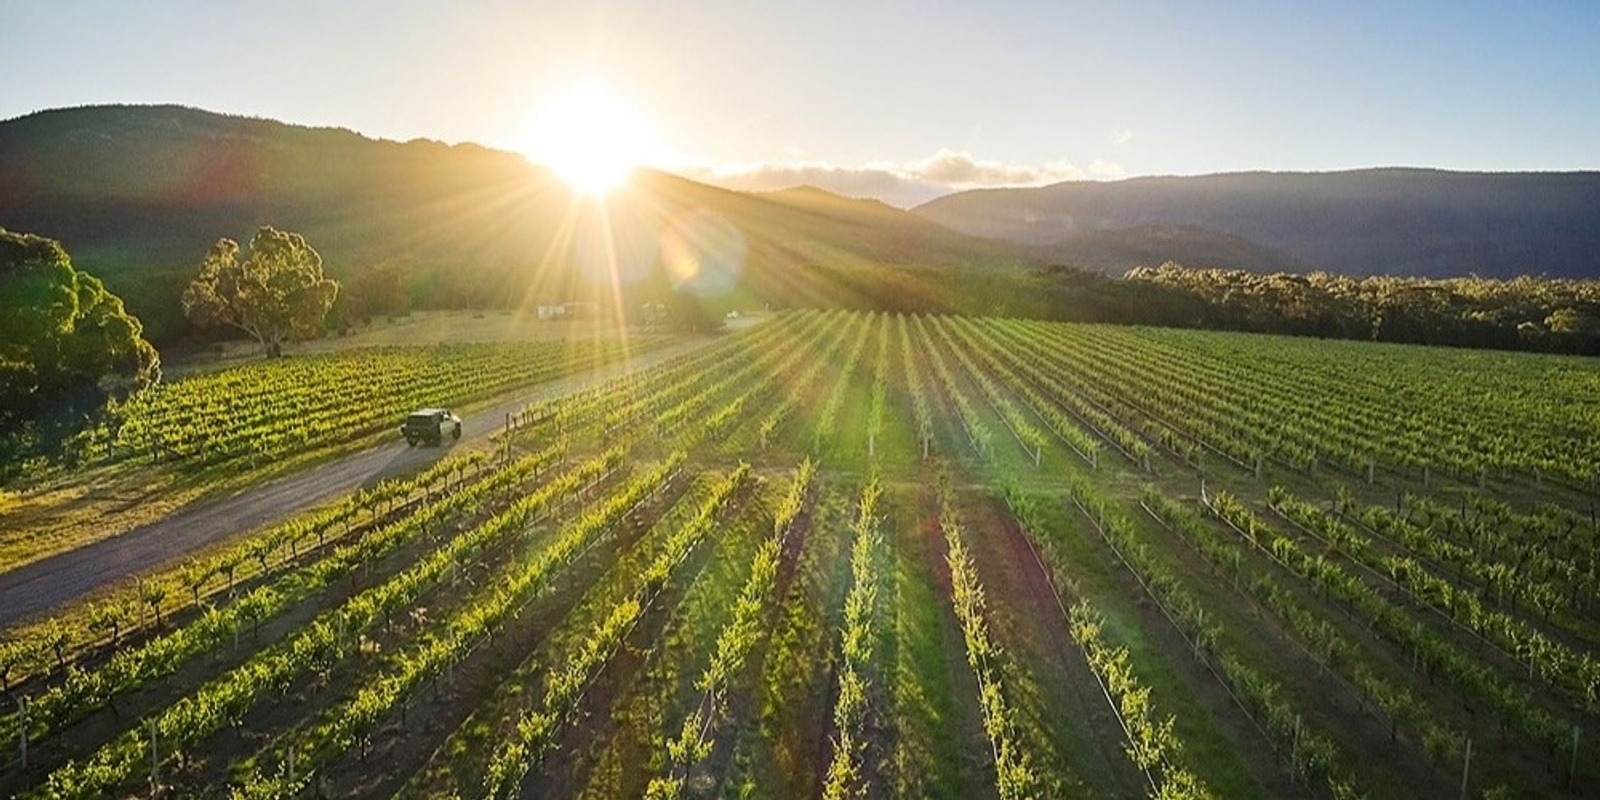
(613, 242)
(703, 253)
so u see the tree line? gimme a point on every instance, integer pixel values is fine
(1524, 313)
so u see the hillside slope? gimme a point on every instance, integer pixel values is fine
(138, 193)
(1378, 221)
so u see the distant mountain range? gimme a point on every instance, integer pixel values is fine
(1377, 221)
(138, 193)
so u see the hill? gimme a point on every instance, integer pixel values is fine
(1379, 221)
(138, 193)
(1118, 250)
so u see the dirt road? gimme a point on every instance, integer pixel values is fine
(42, 585)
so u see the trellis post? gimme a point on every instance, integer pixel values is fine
(1294, 748)
(1572, 766)
(21, 711)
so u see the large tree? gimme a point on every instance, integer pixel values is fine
(65, 342)
(277, 292)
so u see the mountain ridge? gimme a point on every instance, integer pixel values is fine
(137, 194)
(1374, 220)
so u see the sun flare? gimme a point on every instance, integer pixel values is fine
(590, 137)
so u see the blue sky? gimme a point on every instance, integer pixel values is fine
(894, 99)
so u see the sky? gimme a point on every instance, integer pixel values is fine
(897, 100)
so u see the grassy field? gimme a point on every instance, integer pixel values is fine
(866, 555)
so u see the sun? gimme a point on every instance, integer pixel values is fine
(589, 136)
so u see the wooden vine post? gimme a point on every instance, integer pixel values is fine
(21, 711)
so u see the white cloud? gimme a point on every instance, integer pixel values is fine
(959, 169)
(1102, 170)
(1121, 137)
(900, 184)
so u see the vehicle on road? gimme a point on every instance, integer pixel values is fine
(430, 426)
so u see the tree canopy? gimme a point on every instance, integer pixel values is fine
(277, 292)
(65, 342)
